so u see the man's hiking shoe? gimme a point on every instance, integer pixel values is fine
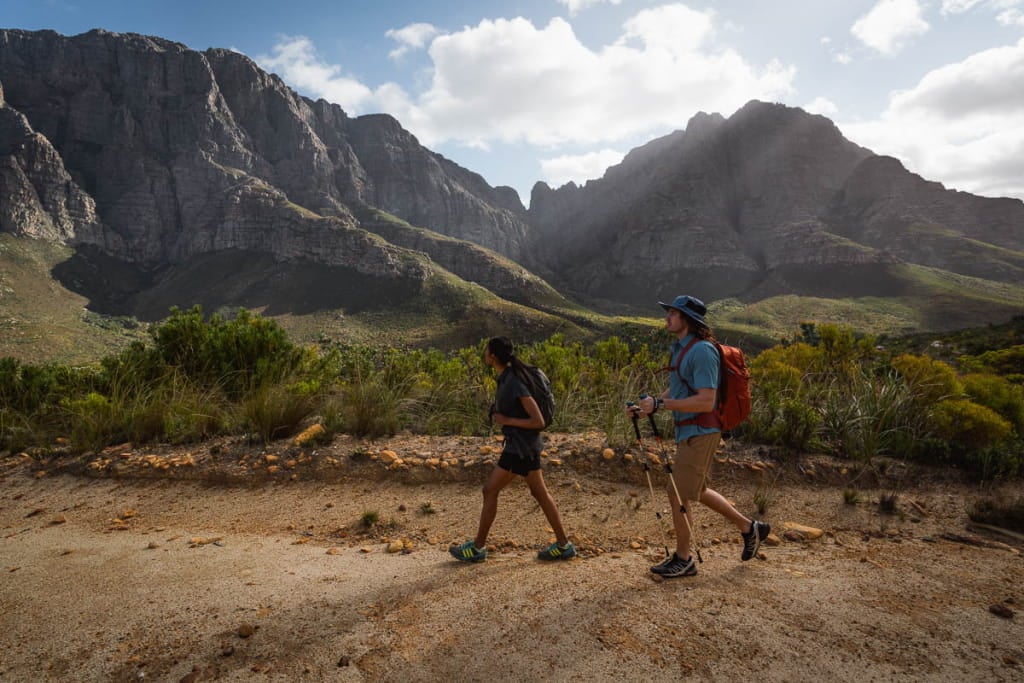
(752, 539)
(675, 567)
(468, 552)
(658, 568)
(557, 552)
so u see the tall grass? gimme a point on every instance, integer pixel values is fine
(870, 414)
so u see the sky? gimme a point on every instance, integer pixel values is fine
(522, 91)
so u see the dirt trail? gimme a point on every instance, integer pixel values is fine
(128, 579)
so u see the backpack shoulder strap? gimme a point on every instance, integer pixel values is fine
(679, 359)
(710, 419)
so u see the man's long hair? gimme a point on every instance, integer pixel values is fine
(699, 331)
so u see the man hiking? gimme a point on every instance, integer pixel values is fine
(691, 396)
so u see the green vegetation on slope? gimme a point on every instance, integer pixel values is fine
(42, 320)
(829, 390)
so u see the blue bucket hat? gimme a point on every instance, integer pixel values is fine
(690, 306)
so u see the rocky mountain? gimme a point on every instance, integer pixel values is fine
(771, 200)
(175, 174)
(157, 154)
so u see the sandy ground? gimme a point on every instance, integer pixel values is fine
(266, 577)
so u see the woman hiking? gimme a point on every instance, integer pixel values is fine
(521, 421)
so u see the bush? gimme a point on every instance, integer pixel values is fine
(370, 409)
(968, 426)
(1008, 362)
(276, 411)
(237, 356)
(97, 421)
(1000, 395)
(930, 380)
(787, 422)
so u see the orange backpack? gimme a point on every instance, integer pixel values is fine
(732, 403)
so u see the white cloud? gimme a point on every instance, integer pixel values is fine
(509, 80)
(506, 80)
(1011, 17)
(890, 25)
(411, 37)
(963, 122)
(823, 106)
(958, 6)
(579, 168)
(294, 59)
(577, 6)
(1008, 12)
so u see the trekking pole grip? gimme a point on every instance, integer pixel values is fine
(634, 410)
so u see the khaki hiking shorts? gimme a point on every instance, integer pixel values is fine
(692, 469)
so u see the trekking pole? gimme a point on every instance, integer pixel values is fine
(635, 411)
(668, 470)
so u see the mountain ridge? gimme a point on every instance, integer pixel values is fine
(155, 155)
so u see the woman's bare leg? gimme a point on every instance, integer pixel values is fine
(535, 480)
(499, 479)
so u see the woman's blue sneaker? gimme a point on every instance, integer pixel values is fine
(468, 552)
(558, 552)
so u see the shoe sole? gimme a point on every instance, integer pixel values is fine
(557, 558)
(690, 570)
(679, 576)
(760, 532)
(460, 558)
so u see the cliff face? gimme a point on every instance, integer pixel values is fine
(155, 154)
(39, 198)
(182, 152)
(730, 206)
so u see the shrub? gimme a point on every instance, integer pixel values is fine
(988, 464)
(804, 357)
(97, 421)
(842, 352)
(1008, 362)
(370, 409)
(787, 422)
(968, 426)
(930, 380)
(239, 355)
(189, 413)
(276, 411)
(1000, 395)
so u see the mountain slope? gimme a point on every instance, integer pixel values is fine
(177, 177)
(771, 200)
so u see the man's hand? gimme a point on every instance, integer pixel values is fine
(648, 404)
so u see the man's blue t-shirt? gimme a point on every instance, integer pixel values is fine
(700, 370)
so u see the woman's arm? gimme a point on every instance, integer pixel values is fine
(535, 421)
